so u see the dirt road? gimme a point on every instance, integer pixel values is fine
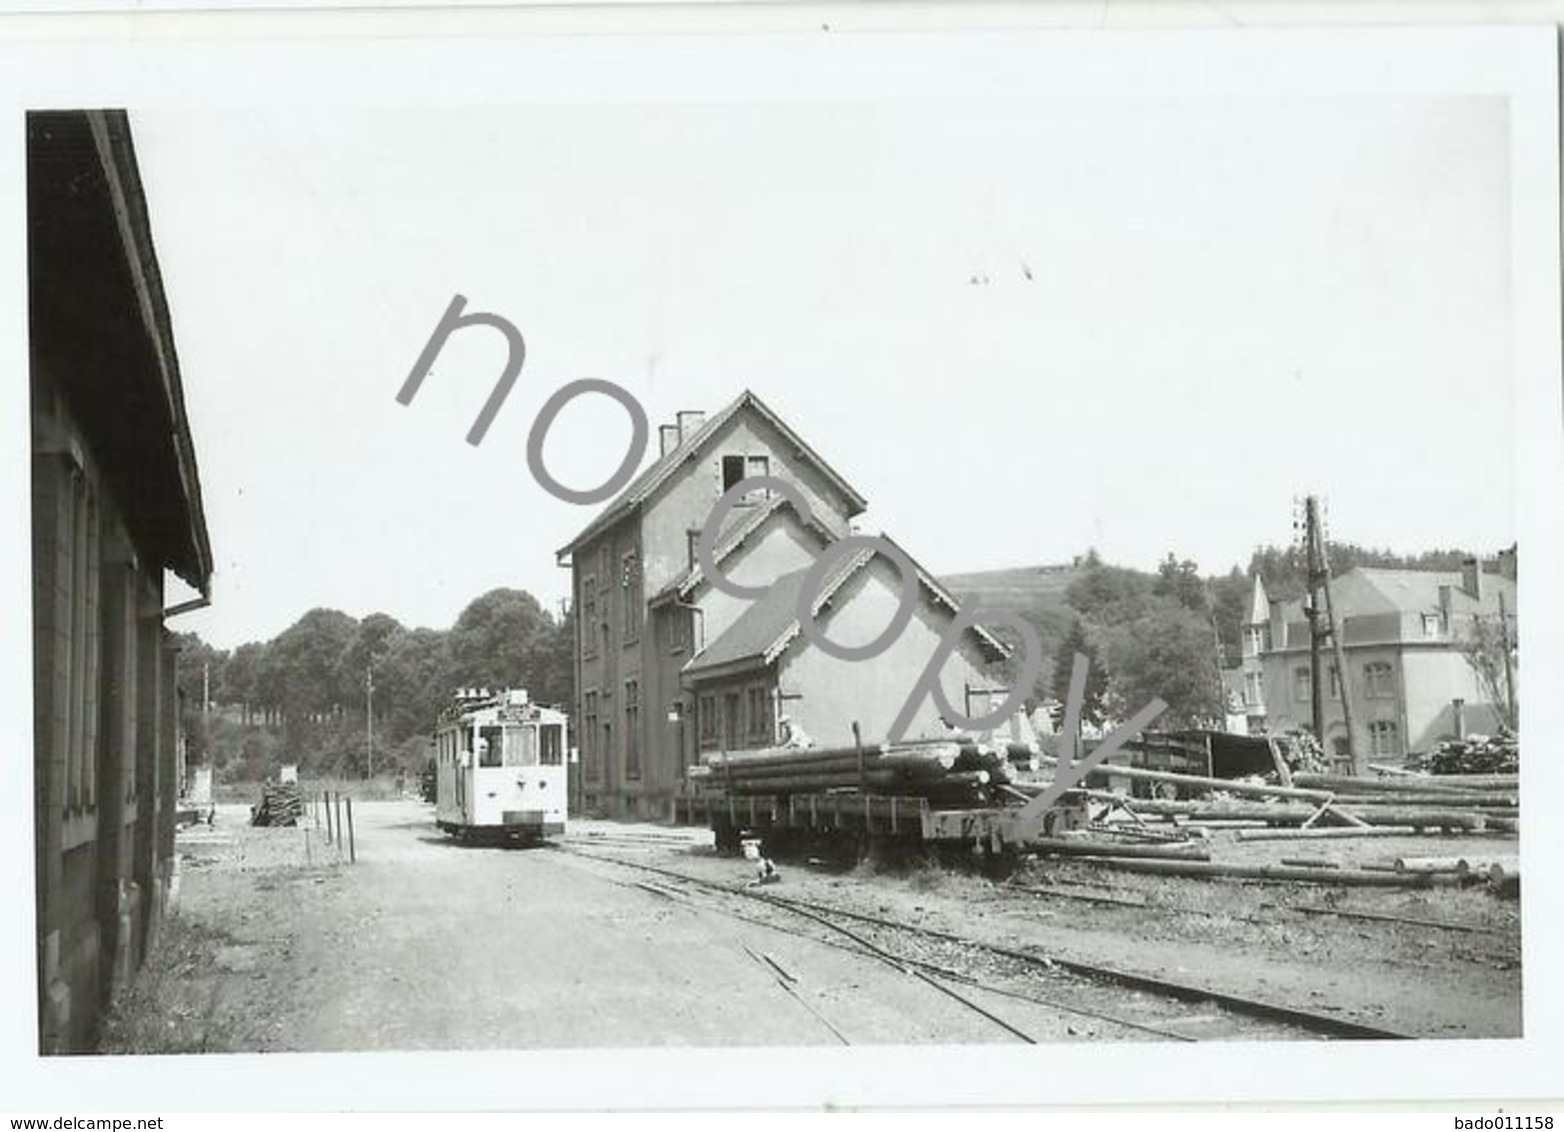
(424, 943)
(279, 944)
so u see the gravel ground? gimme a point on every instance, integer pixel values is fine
(279, 944)
(1237, 937)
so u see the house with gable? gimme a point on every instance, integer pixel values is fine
(669, 667)
(764, 665)
(1404, 635)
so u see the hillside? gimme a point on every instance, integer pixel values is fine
(1035, 592)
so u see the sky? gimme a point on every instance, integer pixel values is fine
(1019, 328)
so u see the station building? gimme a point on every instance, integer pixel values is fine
(670, 668)
(116, 506)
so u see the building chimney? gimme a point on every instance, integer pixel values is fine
(667, 438)
(1472, 577)
(690, 421)
(1508, 564)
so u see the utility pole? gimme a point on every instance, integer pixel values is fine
(1216, 658)
(1311, 610)
(1319, 581)
(1509, 672)
(369, 719)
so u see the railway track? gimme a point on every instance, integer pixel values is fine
(1133, 1002)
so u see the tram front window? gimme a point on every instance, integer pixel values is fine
(520, 746)
(490, 746)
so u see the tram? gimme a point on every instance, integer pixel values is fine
(499, 767)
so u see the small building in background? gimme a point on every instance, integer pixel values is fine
(1406, 636)
(116, 505)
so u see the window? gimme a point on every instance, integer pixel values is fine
(1335, 683)
(630, 593)
(732, 721)
(1302, 684)
(758, 714)
(738, 467)
(551, 745)
(491, 746)
(604, 563)
(706, 709)
(1252, 637)
(690, 539)
(521, 746)
(1431, 625)
(78, 637)
(589, 616)
(678, 629)
(632, 729)
(1378, 681)
(1253, 696)
(1384, 737)
(590, 755)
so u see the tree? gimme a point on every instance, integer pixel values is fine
(506, 639)
(1108, 593)
(1165, 653)
(367, 648)
(198, 665)
(1484, 646)
(1181, 582)
(241, 677)
(1230, 608)
(1093, 705)
(304, 660)
(411, 682)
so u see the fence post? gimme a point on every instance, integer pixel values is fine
(326, 805)
(337, 796)
(352, 855)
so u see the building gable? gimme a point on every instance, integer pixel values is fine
(694, 451)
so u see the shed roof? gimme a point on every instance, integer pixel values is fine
(99, 319)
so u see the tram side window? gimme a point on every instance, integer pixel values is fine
(492, 750)
(551, 750)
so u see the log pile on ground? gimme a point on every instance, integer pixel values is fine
(1476, 754)
(280, 804)
(1302, 752)
(1316, 805)
(954, 772)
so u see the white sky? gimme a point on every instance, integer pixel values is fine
(1231, 303)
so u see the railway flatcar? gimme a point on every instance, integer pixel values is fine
(500, 767)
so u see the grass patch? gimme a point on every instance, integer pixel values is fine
(171, 1005)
